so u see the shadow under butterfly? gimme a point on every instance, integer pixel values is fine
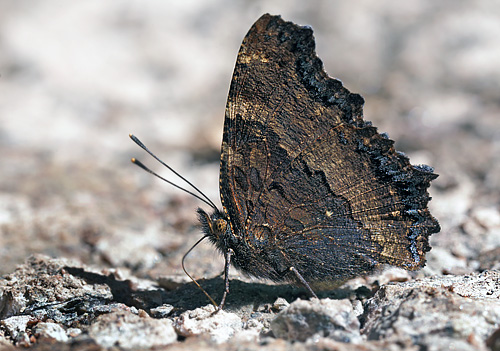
(311, 193)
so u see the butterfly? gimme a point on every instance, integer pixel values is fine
(311, 192)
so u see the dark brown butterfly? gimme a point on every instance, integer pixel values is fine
(311, 192)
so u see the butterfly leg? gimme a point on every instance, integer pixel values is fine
(229, 253)
(303, 281)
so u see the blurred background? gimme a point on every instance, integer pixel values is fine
(77, 77)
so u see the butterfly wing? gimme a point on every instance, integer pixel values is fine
(304, 180)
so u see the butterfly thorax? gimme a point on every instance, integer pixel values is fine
(216, 227)
(250, 261)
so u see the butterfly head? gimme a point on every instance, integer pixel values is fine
(215, 226)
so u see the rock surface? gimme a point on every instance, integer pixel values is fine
(221, 326)
(303, 320)
(450, 310)
(131, 331)
(463, 311)
(91, 247)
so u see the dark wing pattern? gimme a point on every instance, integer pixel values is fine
(303, 175)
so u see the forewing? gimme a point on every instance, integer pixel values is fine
(303, 174)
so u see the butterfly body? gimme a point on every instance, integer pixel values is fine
(311, 193)
(263, 261)
(307, 185)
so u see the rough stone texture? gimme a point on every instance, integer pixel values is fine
(461, 310)
(48, 332)
(77, 77)
(15, 327)
(161, 311)
(45, 290)
(317, 318)
(221, 326)
(435, 313)
(131, 331)
(46, 283)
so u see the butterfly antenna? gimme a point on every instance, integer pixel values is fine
(204, 198)
(194, 280)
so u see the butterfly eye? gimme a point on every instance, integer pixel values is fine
(220, 226)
